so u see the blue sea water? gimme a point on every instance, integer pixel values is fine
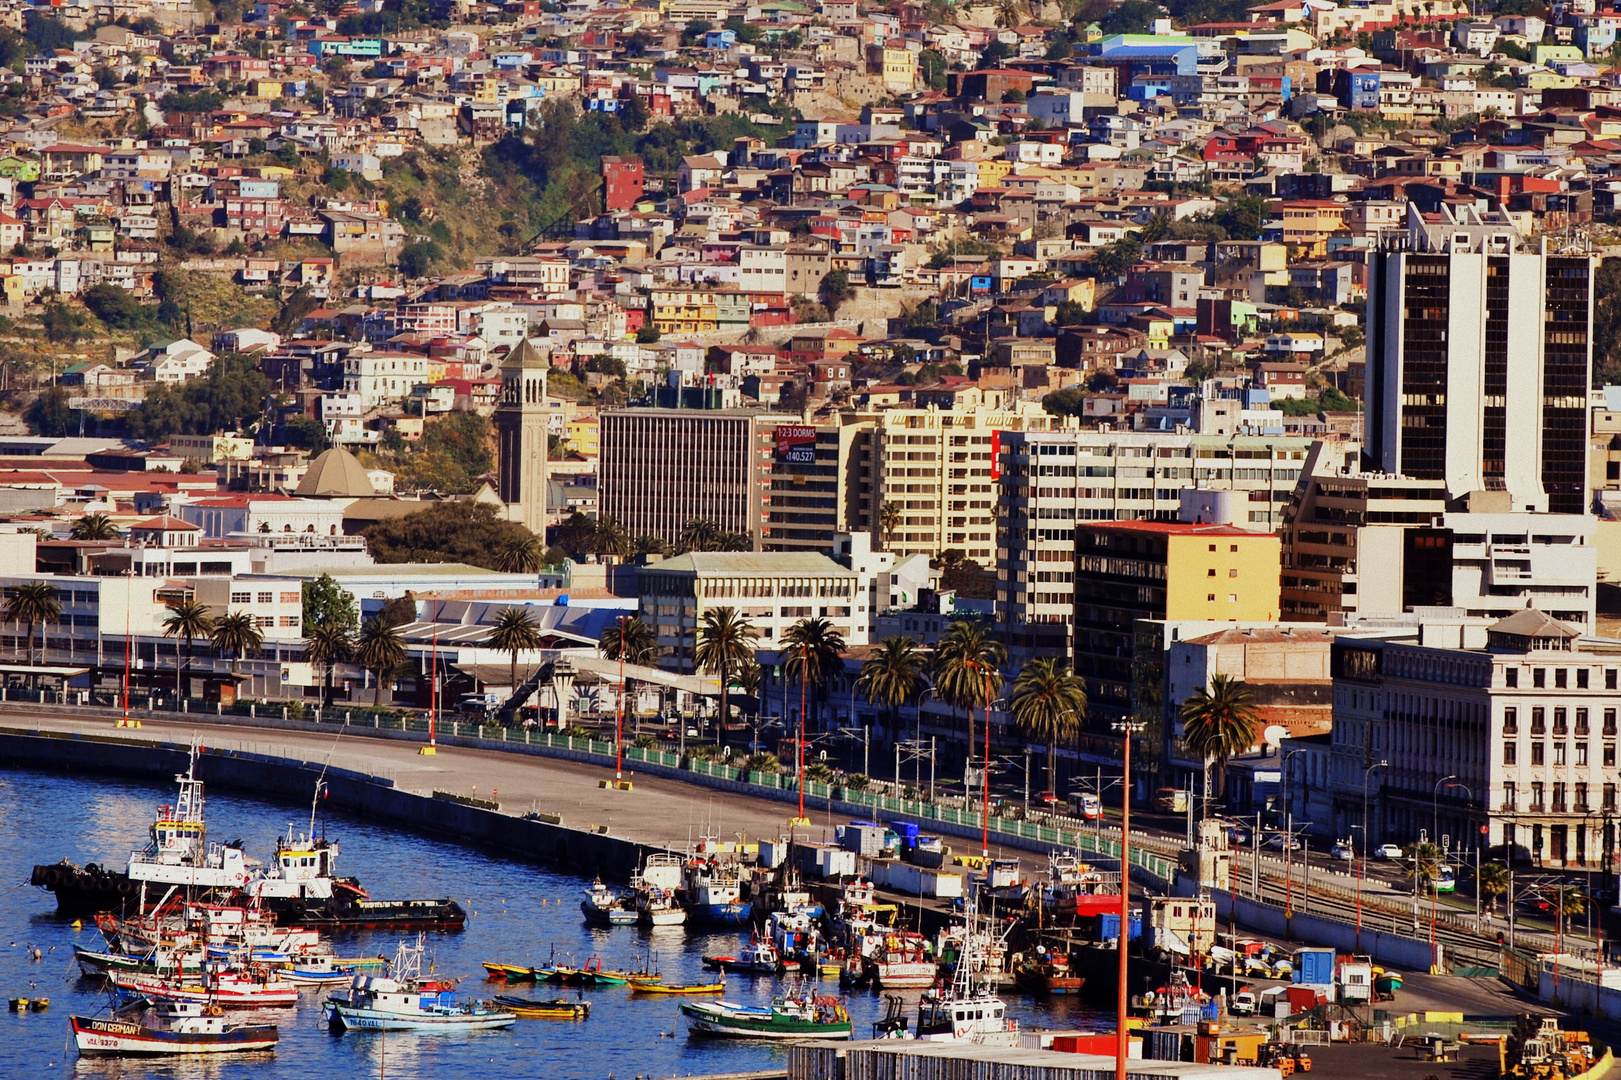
(519, 912)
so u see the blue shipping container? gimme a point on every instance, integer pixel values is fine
(1314, 967)
(1109, 927)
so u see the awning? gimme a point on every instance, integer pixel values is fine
(596, 670)
(38, 669)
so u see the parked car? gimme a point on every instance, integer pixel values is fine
(1243, 1004)
(1280, 841)
(1387, 851)
(1343, 851)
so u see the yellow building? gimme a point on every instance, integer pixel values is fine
(267, 89)
(898, 67)
(581, 435)
(684, 310)
(1126, 571)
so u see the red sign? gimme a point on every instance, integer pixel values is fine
(996, 454)
(796, 443)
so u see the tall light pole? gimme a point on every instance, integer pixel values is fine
(1435, 808)
(1122, 1039)
(1288, 836)
(1362, 856)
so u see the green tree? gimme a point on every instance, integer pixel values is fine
(648, 334)
(725, 642)
(891, 676)
(50, 415)
(889, 519)
(226, 398)
(968, 672)
(328, 603)
(1244, 216)
(236, 633)
(1219, 723)
(326, 645)
(520, 555)
(1607, 322)
(515, 632)
(1492, 881)
(1070, 401)
(835, 290)
(188, 620)
(94, 527)
(609, 539)
(1423, 860)
(815, 652)
(699, 534)
(1049, 703)
(445, 532)
(380, 649)
(33, 604)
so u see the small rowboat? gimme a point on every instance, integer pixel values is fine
(511, 972)
(648, 986)
(530, 1009)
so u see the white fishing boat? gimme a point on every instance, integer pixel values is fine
(169, 1029)
(254, 989)
(968, 1009)
(603, 906)
(323, 969)
(403, 1000)
(656, 886)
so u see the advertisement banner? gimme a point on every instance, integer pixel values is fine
(796, 444)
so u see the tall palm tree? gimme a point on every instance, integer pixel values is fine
(968, 672)
(609, 538)
(380, 649)
(648, 544)
(236, 633)
(1219, 723)
(815, 654)
(520, 555)
(35, 604)
(725, 643)
(515, 632)
(188, 620)
(1048, 704)
(327, 645)
(1009, 13)
(630, 639)
(698, 534)
(891, 676)
(1492, 881)
(889, 519)
(94, 527)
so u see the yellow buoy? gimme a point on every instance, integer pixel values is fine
(77, 925)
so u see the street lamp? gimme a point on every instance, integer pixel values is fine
(1362, 860)
(1435, 809)
(1129, 728)
(985, 779)
(1288, 835)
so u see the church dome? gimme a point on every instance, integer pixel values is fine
(336, 474)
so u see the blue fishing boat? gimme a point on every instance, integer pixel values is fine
(404, 1001)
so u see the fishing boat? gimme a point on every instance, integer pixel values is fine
(593, 974)
(253, 989)
(901, 959)
(403, 1000)
(603, 906)
(96, 965)
(714, 892)
(655, 888)
(1048, 973)
(318, 970)
(170, 1029)
(512, 972)
(556, 1009)
(650, 986)
(967, 1009)
(756, 958)
(805, 1016)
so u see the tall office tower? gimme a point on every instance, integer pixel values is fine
(1479, 360)
(661, 468)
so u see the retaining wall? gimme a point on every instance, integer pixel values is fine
(1388, 948)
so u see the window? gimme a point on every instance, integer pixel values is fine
(1511, 676)
(263, 621)
(1511, 721)
(1510, 754)
(1232, 573)
(1561, 721)
(1539, 676)
(290, 598)
(1212, 547)
(1581, 678)
(1210, 572)
(290, 621)
(1559, 797)
(1511, 796)
(1581, 753)
(1537, 753)
(1609, 796)
(1536, 794)
(267, 598)
(1561, 678)
(1233, 548)
(1232, 598)
(1580, 792)
(1609, 678)
(1558, 753)
(241, 598)
(1210, 596)
(1539, 720)
(1609, 755)
(1609, 721)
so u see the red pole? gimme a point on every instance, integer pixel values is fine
(1361, 867)
(433, 693)
(619, 713)
(799, 749)
(1122, 1039)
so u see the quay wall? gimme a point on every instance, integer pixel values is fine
(585, 852)
(1387, 948)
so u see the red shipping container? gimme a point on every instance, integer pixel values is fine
(1301, 998)
(1085, 1044)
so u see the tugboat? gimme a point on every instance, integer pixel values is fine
(169, 1029)
(804, 1016)
(405, 1001)
(603, 906)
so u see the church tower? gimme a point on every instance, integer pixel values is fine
(520, 421)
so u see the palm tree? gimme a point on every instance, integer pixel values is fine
(648, 544)
(725, 643)
(188, 620)
(889, 519)
(891, 676)
(35, 603)
(520, 555)
(327, 645)
(1219, 723)
(1492, 881)
(609, 539)
(1424, 860)
(380, 649)
(815, 654)
(94, 527)
(1049, 703)
(236, 633)
(515, 632)
(1009, 13)
(1566, 900)
(630, 639)
(698, 534)
(968, 672)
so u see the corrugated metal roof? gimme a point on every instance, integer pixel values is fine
(757, 563)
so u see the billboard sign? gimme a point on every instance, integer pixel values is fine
(796, 444)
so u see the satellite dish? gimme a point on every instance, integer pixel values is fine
(1274, 734)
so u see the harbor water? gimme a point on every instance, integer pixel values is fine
(517, 913)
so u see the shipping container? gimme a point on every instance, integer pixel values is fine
(895, 1059)
(1109, 926)
(916, 880)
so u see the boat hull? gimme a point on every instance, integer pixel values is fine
(615, 916)
(906, 976)
(702, 1021)
(735, 914)
(674, 917)
(349, 1018)
(381, 915)
(83, 891)
(117, 1038)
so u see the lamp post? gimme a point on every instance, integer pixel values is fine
(1288, 836)
(1435, 808)
(799, 745)
(1122, 1039)
(1362, 856)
